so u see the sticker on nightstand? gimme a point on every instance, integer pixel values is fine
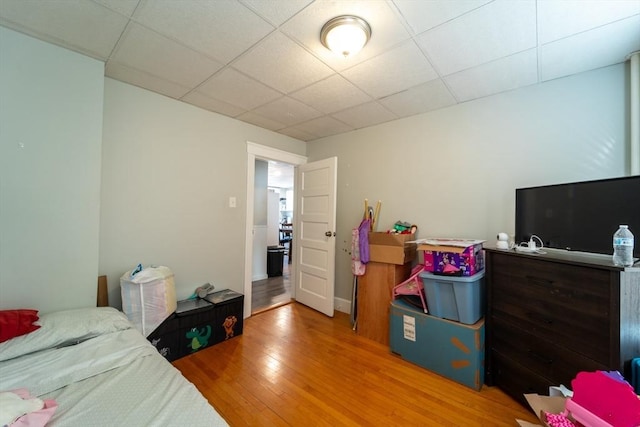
(409, 327)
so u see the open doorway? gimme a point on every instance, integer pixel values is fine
(274, 289)
(261, 152)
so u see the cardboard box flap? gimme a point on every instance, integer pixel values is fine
(390, 239)
(541, 404)
(446, 245)
(551, 404)
(526, 424)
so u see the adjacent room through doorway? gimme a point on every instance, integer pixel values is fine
(274, 289)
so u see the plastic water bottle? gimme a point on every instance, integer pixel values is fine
(623, 247)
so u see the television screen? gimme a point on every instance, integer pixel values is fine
(580, 216)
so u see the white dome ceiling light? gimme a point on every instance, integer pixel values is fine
(345, 35)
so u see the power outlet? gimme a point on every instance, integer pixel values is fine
(232, 202)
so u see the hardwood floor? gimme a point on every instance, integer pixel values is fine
(293, 366)
(271, 292)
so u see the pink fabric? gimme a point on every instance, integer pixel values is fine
(37, 418)
(608, 397)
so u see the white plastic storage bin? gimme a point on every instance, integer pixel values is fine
(149, 297)
(455, 298)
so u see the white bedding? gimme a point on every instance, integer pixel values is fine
(117, 378)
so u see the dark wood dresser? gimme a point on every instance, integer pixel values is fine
(552, 315)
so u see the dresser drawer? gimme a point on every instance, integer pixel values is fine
(567, 305)
(552, 361)
(515, 379)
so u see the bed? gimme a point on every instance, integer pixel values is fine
(99, 370)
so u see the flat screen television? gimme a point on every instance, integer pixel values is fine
(579, 216)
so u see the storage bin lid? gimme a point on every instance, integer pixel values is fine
(192, 305)
(222, 296)
(430, 276)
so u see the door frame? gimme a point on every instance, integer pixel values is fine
(262, 152)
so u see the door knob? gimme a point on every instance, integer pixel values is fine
(329, 234)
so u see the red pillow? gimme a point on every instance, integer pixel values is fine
(14, 323)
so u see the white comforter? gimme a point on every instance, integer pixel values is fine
(117, 379)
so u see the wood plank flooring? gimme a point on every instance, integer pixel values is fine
(293, 366)
(271, 292)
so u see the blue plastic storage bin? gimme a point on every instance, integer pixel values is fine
(458, 298)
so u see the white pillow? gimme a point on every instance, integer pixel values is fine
(65, 328)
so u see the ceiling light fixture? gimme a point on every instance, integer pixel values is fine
(345, 35)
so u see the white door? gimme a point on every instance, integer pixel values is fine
(315, 244)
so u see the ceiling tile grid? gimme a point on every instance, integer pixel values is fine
(208, 27)
(364, 115)
(83, 26)
(496, 76)
(224, 86)
(419, 99)
(143, 49)
(261, 61)
(324, 126)
(332, 94)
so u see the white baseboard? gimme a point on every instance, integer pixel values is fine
(260, 277)
(342, 305)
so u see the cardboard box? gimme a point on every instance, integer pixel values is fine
(452, 256)
(392, 248)
(452, 349)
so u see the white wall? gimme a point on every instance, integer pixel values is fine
(260, 191)
(50, 135)
(453, 172)
(168, 171)
(260, 219)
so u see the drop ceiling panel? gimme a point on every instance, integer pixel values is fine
(419, 99)
(364, 115)
(324, 126)
(386, 28)
(210, 27)
(258, 120)
(79, 25)
(288, 111)
(212, 104)
(145, 80)
(496, 76)
(276, 12)
(125, 7)
(297, 133)
(597, 48)
(424, 15)
(282, 64)
(498, 29)
(235, 88)
(393, 71)
(558, 19)
(332, 94)
(145, 50)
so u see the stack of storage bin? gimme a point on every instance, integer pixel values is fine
(450, 339)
